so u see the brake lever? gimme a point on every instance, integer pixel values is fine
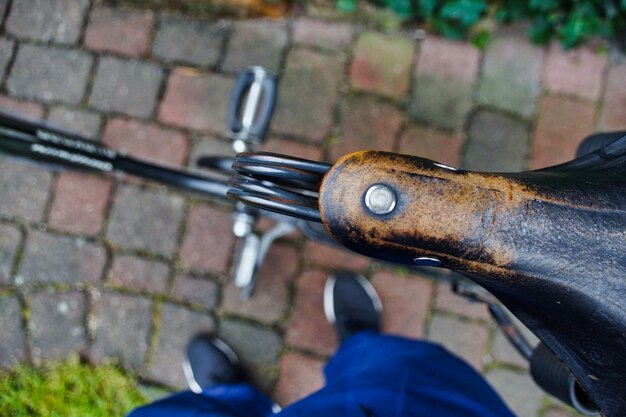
(254, 250)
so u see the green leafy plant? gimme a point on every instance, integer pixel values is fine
(67, 389)
(572, 22)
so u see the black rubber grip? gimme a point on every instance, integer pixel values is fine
(554, 378)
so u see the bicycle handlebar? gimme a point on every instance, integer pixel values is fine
(39, 141)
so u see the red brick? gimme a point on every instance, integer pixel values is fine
(201, 292)
(298, 377)
(328, 35)
(327, 256)
(432, 144)
(367, 124)
(121, 31)
(562, 125)
(449, 59)
(147, 141)
(29, 108)
(80, 203)
(382, 64)
(271, 294)
(614, 106)
(577, 72)
(208, 240)
(468, 340)
(291, 148)
(446, 300)
(138, 274)
(196, 101)
(308, 328)
(406, 303)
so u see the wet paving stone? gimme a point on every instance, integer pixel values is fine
(60, 259)
(57, 325)
(50, 74)
(122, 326)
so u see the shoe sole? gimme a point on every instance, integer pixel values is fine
(329, 296)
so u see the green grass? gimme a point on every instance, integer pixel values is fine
(67, 389)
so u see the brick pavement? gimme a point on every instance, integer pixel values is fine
(116, 268)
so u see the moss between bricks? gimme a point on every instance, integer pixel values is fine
(68, 388)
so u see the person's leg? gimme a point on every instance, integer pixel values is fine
(378, 375)
(218, 386)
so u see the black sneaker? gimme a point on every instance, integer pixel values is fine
(351, 304)
(209, 362)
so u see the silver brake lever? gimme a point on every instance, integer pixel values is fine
(253, 252)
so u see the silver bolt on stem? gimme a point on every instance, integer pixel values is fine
(380, 199)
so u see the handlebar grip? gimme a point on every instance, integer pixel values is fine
(252, 105)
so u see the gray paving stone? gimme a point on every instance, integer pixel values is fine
(138, 274)
(143, 219)
(9, 242)
(126, 86)
(6, 52)
(57, 324)
(308, 94)
(271, 296)
(467, 340)
(12, 342)
(496, 142)
(122, 326)
(444, 82)
(206, 146)
(153, 392)
(84, 122)
(178, 326)
(518, 391)
(47, 20)
(257, 347)
(511, 76)
(196, 291)
(24, 190)
(3, 8)
(504, 352)
(188, 41)
(49, 74)
(51, 258)
(256, 43)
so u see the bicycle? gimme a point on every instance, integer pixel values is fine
(486, 226)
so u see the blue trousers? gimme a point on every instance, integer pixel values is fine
(371, 375)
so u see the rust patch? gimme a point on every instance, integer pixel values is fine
(433, 204)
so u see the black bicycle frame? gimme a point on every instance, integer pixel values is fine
(39, 141)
